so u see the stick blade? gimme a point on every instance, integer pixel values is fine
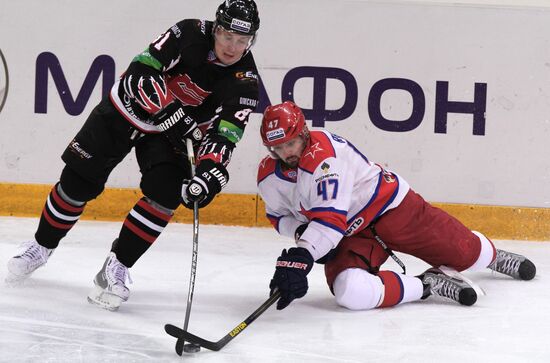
(185, 336)
(174, 331)
(179, 346)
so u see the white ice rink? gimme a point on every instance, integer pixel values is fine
(49, 320)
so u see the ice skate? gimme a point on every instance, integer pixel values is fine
(110, 285)
(511, 264)
(21, 266)
(437, 283)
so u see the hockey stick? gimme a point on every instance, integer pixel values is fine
(216, 346)
(180, 343)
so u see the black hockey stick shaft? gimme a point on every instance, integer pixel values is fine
(216, 346)
(181, 342)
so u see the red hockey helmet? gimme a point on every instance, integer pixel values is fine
(282, 123)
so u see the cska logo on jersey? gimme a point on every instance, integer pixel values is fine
(388, 177)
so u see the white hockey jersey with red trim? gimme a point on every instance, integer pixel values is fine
(335, 189)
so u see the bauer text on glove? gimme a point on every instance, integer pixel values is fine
(290, 275)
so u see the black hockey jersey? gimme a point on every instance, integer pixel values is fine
(220, 98)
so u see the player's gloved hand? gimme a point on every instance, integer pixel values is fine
(173, 122)
(290, 276)
(210, 177)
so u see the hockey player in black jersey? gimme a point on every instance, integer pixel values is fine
(197, 81)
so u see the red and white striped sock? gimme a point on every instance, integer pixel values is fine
(141, 228)
(58, 217)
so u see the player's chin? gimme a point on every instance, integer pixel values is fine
(292, 162)
(229, 59)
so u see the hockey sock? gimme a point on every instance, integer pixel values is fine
(142, 226)
(487, 253)
(399, 288)
(58, 217)
(357, 289)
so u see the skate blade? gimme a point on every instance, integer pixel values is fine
(14, 280)
(104, 299)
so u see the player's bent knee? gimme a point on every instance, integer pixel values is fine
(78, 188)
(356, 289)
(162, 184)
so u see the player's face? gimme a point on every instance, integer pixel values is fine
(290, 151)
(229, 46)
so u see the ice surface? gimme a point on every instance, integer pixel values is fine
(49, 320)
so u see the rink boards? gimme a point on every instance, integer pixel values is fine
(517, 223)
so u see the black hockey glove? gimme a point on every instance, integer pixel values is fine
(290, 276)
(209, 179)
(173, 122)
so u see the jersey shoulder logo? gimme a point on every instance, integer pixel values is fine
(230, 131)
(319, 149)
(267, 167)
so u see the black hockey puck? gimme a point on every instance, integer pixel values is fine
(191, 348)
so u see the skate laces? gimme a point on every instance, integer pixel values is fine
(119, 273)
(451, 272)
(443, 286)
(507, 263)
(34, 253)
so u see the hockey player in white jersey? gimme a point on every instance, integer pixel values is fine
(349, 213)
